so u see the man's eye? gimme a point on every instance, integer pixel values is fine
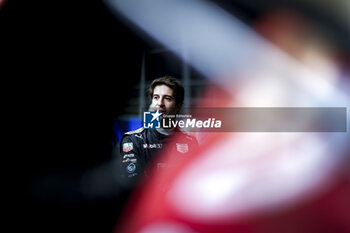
(155, 97)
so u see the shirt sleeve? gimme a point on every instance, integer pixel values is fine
(130, 161)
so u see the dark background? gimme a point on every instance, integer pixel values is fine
(67, 68)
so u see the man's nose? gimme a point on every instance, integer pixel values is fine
(160, 101)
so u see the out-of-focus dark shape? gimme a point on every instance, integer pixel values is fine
(69, 68)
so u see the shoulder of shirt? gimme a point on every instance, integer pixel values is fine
(140, 130)
(190, 137)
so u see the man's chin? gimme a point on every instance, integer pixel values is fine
(162, 111)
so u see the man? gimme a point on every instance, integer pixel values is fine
(140, 147)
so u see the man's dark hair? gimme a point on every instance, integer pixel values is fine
(172, 83)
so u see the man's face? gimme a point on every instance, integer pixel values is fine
(164, 101)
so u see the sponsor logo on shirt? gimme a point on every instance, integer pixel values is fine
(138, 136)
(132, 175)
(128, 156)
(131, 168)
(161, 166)
(129, 160)
(152, 146)
(127, 146)
(182, 148)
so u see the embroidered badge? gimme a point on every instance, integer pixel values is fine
(131, 168)
(127, 147)
(182, 148)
